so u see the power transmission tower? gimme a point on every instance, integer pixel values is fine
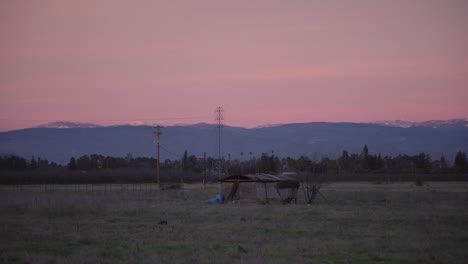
(219, 126)
(157, 133)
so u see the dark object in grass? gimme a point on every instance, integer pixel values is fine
(419, 181)
(219, 199)
(163, 222)
(241, 249)
(171, 186)
(288, 200)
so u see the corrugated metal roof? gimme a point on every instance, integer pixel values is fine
(258, 177)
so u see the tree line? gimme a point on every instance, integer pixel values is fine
(17, 163)
(357, 163)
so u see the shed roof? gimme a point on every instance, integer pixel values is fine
(258, 177)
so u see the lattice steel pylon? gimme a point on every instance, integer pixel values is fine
(219, 130)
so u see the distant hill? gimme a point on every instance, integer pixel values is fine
(315, 140)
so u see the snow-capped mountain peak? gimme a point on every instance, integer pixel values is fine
(65, 124)
(140, 123)
(269, 125)
(459, 122)
(397, 123)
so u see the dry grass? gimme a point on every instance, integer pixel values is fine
(362, 223)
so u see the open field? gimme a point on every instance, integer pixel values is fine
(361, 223)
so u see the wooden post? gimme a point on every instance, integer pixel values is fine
(204, 170)
(157, 134)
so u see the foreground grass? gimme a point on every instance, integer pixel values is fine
(361, 223)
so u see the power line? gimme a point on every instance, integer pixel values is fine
(198, 155)
(170, 152)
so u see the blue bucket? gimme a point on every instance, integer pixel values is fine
(220, 198)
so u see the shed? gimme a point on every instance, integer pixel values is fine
(260, 187)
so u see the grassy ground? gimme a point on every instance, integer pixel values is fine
(361, 223)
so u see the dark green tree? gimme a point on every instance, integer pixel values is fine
(344, 161)
(97, 161)
(185, 165)
(33, 164)
(42, 164)
(268, 164)
(365, 151)
(193, 164)
(303, 163)
(263, 164)
(443, 163)
(13, 163)
(84, 163)
(460, 162)
(365, 158)
(72, 164)
(422, 162)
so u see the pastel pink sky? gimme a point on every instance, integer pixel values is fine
(265, 62)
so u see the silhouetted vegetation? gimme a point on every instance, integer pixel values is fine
(461, 164)
(190, 168)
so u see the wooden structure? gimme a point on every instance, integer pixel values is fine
(260, 187)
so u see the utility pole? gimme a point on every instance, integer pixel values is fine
(204, 170)
(157, 133)
(240, 165)
(219, 125)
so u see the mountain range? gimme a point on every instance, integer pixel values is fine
(59, 141)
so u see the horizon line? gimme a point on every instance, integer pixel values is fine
(147, 123)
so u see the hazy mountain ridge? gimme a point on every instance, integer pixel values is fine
(315, 140)
(392, 123)
(462, 122)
